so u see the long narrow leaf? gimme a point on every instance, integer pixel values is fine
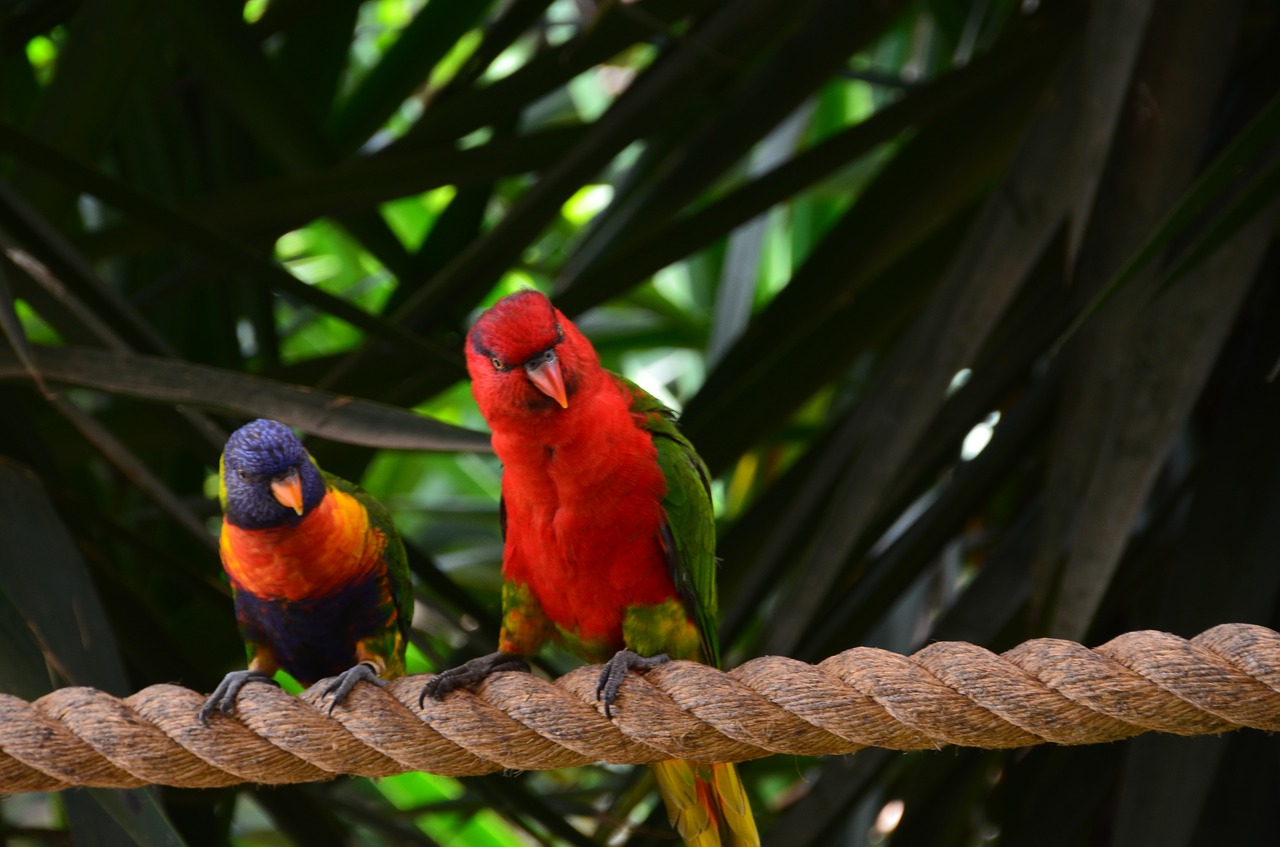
(1253, 201)
(346, 419)
(1262, 132)
(518, 17)
(406, 66)
(1111, 47)
(315, 53)
(1119, 421)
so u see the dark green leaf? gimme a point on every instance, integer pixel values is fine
(346, 419)
(1263, 132)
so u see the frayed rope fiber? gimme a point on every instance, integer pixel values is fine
(1043, 691)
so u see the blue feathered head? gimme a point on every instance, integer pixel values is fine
(266, 477)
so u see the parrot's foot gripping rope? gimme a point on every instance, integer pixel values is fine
(615, 671)
(469, 674)
(223, 698)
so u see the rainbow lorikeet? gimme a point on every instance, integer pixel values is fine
(609, 532)
(320, 577)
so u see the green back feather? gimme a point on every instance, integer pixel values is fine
(690, 517)
(397, 561)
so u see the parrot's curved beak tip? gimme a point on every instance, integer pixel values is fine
(546, 377)
(288, 491)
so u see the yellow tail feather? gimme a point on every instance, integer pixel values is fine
(706, 804)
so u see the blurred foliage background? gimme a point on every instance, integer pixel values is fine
(970, 306)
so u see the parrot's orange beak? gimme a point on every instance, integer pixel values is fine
(545, 376)
(288, 491)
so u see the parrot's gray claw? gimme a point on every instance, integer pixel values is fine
(615, 670)
(470, 673)
(223, 698)
(345, 681)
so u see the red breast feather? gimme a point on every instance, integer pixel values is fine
(330, 548)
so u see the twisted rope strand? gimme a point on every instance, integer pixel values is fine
(1044, 690)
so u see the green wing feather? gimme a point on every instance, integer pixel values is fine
(691, 530)
(397, 561)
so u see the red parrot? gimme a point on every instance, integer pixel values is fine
(609, 532)
(320, 577)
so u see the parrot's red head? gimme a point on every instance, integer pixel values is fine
(524, 356)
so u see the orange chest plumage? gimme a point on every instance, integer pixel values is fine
(584, 514)
(331, 547)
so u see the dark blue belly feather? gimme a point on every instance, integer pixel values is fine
(314, 638)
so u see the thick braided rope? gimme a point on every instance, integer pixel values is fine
(949, 693)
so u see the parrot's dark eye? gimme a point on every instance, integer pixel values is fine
(243, 474)
(497, 364)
